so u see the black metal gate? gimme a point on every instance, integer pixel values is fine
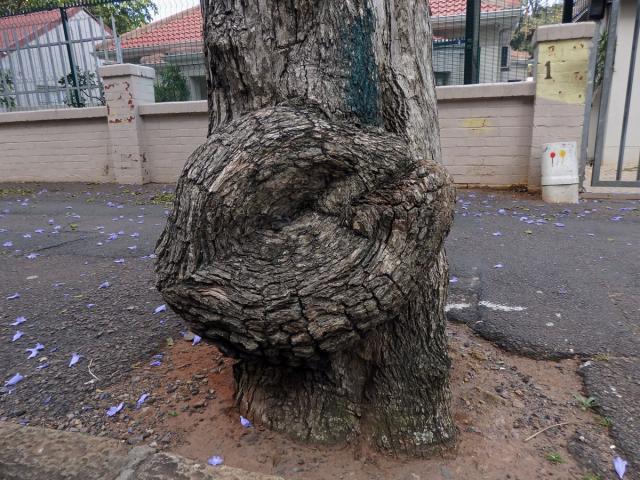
(616, 163)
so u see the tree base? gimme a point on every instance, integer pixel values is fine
(391, 389)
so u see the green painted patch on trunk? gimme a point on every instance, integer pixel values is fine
(362, 89)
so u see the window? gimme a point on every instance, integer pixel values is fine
(505, 49)
(505, 57)
(442, 78)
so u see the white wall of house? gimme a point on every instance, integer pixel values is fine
(38, 70)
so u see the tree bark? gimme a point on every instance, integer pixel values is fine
(306, 238)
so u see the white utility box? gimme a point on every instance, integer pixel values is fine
(560, 173)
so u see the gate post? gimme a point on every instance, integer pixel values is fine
(472, 43)
(562, 75)
(126, 86)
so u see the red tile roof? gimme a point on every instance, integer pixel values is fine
(186, 26)
(22, 29)
(183, 27)
(450, 8)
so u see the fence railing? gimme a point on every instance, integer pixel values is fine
(50, 58)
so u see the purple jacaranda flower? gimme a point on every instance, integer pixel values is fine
(104, 285)
(160, 308)
(156, 363)
(121, 232)
(113, 410)
(32, 256)
(91, 305)
(454, 279)
(498, 265)
(75, 358)
(14, 296)
(497, 234)
(215, 461)
(42, 366)
(119, 260)
(111, 204)
(616, 219)
(142, 399)
(112, 236)
(18, 321)
(17, 335)
(34, 351)
(39, 230)
(7, 244)
(17, 378)
(135, 235)
(133, 247)
(558, 224)
(26, 235)
(245, 422)
(196, 339)
(620, 465)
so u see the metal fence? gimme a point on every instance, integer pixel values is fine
(50, 58)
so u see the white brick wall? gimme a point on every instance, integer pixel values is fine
(172, 131)
(54, 146)
(485, 141)
(485, 133)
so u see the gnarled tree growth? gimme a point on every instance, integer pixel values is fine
(306, 237)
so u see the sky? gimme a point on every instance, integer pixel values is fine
(169, 7)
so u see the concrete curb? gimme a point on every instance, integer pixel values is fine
(38, 453)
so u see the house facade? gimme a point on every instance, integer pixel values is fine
(35, 69)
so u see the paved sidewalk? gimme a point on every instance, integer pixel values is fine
(548, 282)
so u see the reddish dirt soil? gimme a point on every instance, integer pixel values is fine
(499, 400)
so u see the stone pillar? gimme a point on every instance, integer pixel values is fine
(562, 75)
(126, 87)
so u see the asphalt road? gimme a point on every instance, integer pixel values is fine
(548, 282)
(556, 282)
(82, 236)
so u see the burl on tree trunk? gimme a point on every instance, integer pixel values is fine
(307, 234)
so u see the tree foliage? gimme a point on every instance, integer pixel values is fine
(83, 91)
(172, 85)
(6, 88)
(535, 13)
(128, 14)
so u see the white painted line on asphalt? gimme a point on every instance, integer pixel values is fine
(456, 306)
(501, 308)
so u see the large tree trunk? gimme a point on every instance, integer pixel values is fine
(306, 238)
